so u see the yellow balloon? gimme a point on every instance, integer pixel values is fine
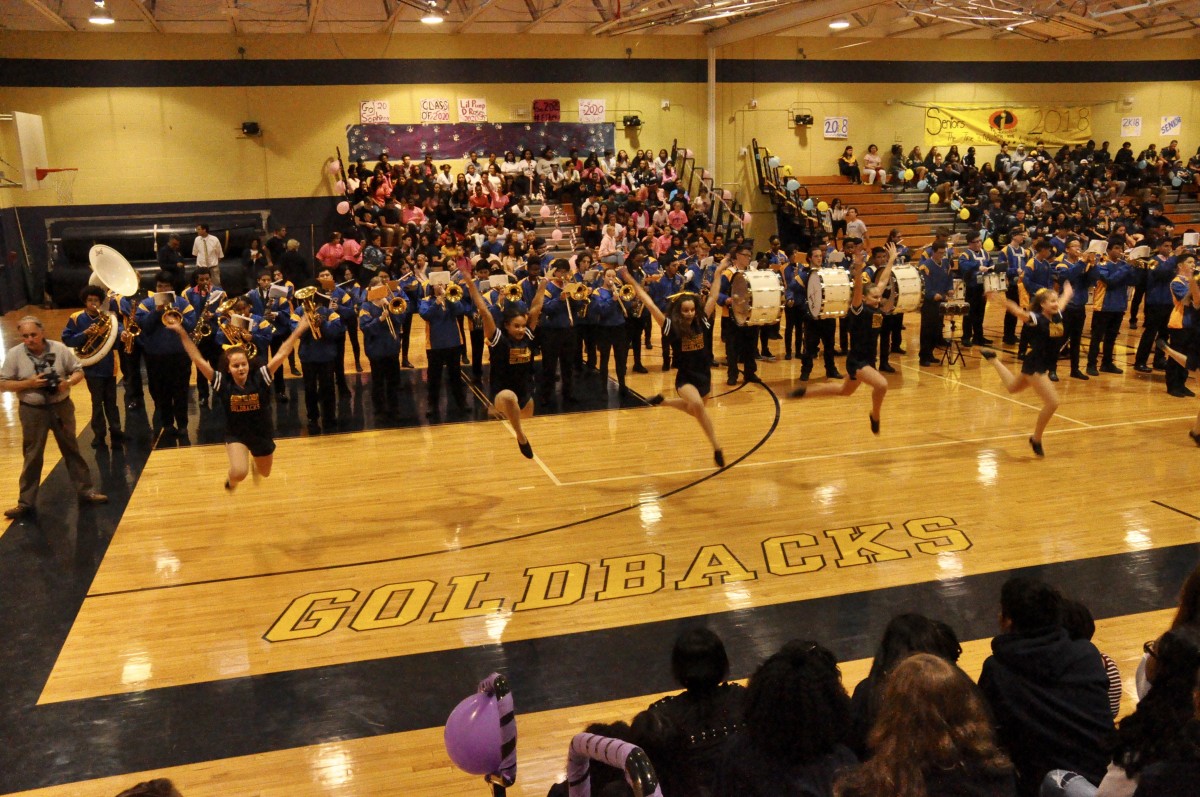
(908, 174)
(822, 206)
(934, 199)
(988, 245)
(964, 214)
(787, 171)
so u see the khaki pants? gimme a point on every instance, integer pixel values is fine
(36, 423)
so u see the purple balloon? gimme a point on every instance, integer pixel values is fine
(473, 735)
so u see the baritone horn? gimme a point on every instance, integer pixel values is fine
(512, 292)
(577, 291)
(454, 292)
(110, 270)
(627, 293)
(308, 301)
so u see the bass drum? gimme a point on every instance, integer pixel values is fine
(904, 291)
(829, 292)
(757, 298)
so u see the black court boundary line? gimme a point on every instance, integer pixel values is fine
(1175, 509)
(476, 545)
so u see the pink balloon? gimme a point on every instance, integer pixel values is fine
(340, 187)
(746, 217)
(343, 207)
(706, 174)
(545, 211)
(728, 195)
(688, 153)
(335, 168)
(556, 235)
(472, 735)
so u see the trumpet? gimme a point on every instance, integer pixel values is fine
(454, 292)
(169, 313)
(308, 301)
(512, 292)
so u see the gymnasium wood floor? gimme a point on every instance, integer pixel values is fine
(309, 634)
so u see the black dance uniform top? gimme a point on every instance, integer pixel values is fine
(1045, 339)
(863, 323)
(691, 354)
(247, 409)
(511, 365)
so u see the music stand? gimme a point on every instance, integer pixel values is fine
(952, 353)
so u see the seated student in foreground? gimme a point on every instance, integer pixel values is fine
(511, 356)
(245, 394)
(683, 329)
(864, 320)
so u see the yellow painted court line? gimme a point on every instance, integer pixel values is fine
(890, 450)
(990, 393)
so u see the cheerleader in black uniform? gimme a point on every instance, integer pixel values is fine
(864, 322)
(684, 330)
(245, 393)
(1044, 324)
(511, 357)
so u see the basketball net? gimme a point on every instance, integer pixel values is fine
(62, 181)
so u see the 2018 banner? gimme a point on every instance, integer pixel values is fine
(1052, 125)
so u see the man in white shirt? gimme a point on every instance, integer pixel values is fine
(208, 253)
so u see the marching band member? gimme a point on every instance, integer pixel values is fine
(937, 287)
(260, 329)
(353, 291)
(1014, 256)
(612, 335)
(1045, 322)
(1036, 275)
(1072, 269)
(131, 361)
(973, 263)
(167, 363)
(635, 312)
(244, 392)
(653, 269)
(850, 245)
(1110, 280)
(661, 291)
(1184, 352)
(381, 339)
(1158, 303)
(741, 342)
(795, 303)
(881, 274)
(683, 330)
(585, 320)
(101, 375)
(818, 332)
(511, 360)
(482, 271)
(279, 279)
(203, 298)
(410, 283)
(317, 355)
(443, 343)
(865, 320)
(556, 336)
(341, 302)
(277, 313)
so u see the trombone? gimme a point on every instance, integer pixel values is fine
(577, 291)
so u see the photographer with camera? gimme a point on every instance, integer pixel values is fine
(41, 373)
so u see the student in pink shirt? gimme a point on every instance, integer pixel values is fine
(411, 214)
(331, 253)
(352, 254)
(677, 218)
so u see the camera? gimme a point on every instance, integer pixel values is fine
(45, 369)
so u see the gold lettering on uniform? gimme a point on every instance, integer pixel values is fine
(243, 403)
(553, 585)
(311, 615)
(371, 615)
(691, 343)
(876, 321)
(458, 605)
(858, 545)
(939, 534)
(778, 562)
(519, 355)
(1056, 330)
(627, 576)
(714, 564)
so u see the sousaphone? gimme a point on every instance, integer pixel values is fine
(111, 271)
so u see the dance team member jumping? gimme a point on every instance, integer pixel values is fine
(684, 328)
(245, 393)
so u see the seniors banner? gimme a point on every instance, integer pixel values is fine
(449, 141)
(1051, 125)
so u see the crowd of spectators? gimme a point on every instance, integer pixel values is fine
(1039, 723)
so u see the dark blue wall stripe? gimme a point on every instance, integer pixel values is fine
(38, 72)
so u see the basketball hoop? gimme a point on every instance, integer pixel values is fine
(61, 180)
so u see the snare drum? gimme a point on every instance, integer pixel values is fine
(829, 292)
(994, 282)
(955, 308)
(904, 291)
(757, 297)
